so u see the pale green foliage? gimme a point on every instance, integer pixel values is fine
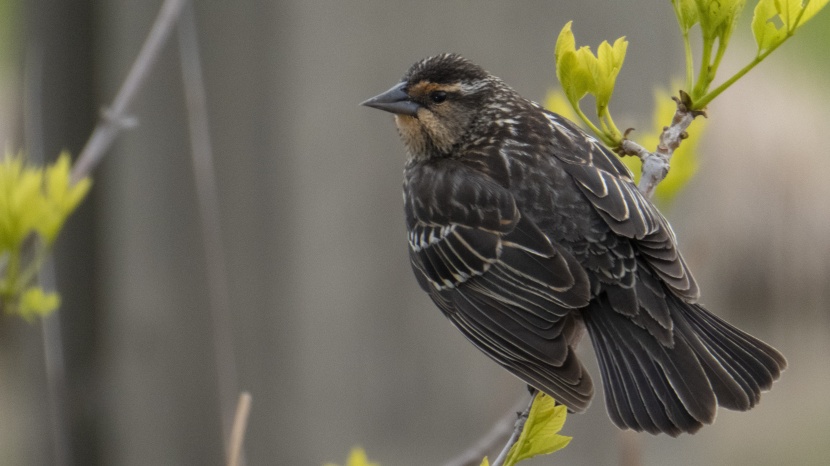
(34, 204)
(717, 21)
(582, 73)
(540, 435)
(791, 14)
(37, 303)
(357, 457)
(774, 22)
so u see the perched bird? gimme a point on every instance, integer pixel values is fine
(525, 231)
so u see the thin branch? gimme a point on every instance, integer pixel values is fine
(53, 354)
(240, 424)
(504, 430)
(114, 119)
(656, 164)
(207, 194)
(518, 426)
(55, 375)
(630, 448)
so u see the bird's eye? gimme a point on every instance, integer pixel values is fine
(437, 96)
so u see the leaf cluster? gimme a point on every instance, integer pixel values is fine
(540, 435)
(773, 22)
(582, 73)
(34, 205)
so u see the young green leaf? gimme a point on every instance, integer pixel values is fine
(34, 203)
(767, 34)
(790, 14)
(686, 11)
(540, 435)
(718, 17)
(580, 72)
(61, 197)
(570, 66)
(610, 60)
(21, 201)
(34, 302)
(357, 457)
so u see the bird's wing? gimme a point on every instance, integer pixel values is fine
(497, 277)
(608, 185)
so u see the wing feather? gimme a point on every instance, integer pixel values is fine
(607, 184)
(498, 278)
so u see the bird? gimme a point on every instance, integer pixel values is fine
(528, 233)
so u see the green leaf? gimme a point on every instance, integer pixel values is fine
(565, 42)
(580, 72)
(687, 15)
(718, 17)
(61, 197)
(34, 302)
(790, 14)
(610, 60)
(540, 435)
(357, 457)
(485, 462)
(767, 34)
(571, 69)
(575, 77)
(33, 202)
(21, 201)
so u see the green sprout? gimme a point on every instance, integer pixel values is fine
(582, 73)
(34, 204)
(774, 22)
(540, 435)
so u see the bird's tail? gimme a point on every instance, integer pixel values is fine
(676, 388)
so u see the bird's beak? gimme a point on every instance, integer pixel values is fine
(395, 100)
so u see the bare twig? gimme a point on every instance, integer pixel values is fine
(53, 354)
(630, 448)
(518, 426)
(506, 429)
(207, 195)
(656, 164)
(240, 424)
(114, 119)
(55, 374)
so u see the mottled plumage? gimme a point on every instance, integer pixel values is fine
(525, 231)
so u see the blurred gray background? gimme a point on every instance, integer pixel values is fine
(331, 334)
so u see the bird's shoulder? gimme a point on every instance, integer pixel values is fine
(445, 191)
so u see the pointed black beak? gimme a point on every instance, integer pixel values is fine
(395, 100)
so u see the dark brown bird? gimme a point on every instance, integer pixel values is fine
(525, 231)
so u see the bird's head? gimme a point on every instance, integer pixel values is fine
(436, 103)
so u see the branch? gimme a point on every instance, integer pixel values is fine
(207, 197)
(518, 426)
(114, 119)
(507, 429)
(656, 164)
(240, 424)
